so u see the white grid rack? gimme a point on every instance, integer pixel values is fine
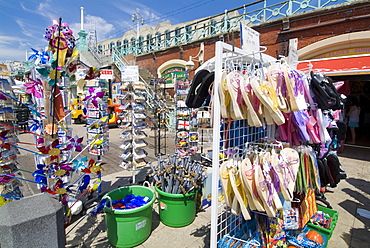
(228, 137)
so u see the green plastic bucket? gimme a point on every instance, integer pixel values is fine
(176, 210)
(128, 228)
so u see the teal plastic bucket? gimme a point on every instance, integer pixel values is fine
(176, 210)
(128, 228)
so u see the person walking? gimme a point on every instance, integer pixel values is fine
(354, 119)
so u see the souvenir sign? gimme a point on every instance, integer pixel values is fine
(183, 143)
(182, 134)
(194, 137)
(183, 125)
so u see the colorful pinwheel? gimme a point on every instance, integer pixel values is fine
(39, 57)
(6, 179)
(39, 175)
(34, 124)
(94, 96)
(93, 167)
(92, 73)
(35, 88)
(3, 138)
(58, 188)
(51, 34)
(74, 143)
(60, 169)
(79, 163)
(84, 183)
(51, 149)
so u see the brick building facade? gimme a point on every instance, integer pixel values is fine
(350, 21)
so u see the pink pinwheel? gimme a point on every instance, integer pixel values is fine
(34, 87)
(74, 143)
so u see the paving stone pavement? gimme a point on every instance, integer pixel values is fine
(351, 197)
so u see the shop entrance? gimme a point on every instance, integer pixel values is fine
(358, 87)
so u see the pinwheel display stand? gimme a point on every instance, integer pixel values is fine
(133, 124)
(9, 183)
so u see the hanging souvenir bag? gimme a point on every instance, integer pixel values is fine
(336, 169)
(327, 96)
(324, 172)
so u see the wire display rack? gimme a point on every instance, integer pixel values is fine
(229, 137)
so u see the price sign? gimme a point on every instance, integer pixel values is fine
(106, 74)
(293, 53)
(130, 73)
(249, 39)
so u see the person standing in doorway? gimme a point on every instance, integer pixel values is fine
(353, 119)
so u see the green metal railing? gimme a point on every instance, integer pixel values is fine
(253, 13)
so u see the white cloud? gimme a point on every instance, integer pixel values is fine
(103, 28)
(11, 53)
(27, 29)
(14, 48)
(44, 9)
(130, 7)
(8, 39)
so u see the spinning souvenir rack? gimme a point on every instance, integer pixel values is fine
(133, 122)
(187, 137)
(193, 124)
(265, 184)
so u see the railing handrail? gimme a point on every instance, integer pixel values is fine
(217, 25)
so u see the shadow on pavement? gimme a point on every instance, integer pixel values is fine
(355, 152)
(205, 232)
(352, 207)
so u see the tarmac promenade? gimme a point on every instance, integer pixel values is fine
(351, 198)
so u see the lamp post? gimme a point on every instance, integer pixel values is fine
(136, 17)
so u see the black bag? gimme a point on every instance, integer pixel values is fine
(324, 172)
(199, 88)
(327, 96)
(336, 169)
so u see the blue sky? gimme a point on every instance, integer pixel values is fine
(23, 23)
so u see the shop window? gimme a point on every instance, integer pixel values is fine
(188, 35)
(149, 42)
(141, 43)
(168, 37)
(212, 27)
(177, 36)
(111, 45)
(158, 39)
(125, 46)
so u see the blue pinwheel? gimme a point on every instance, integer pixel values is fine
(80, 163)
(40, 57)
(34, 124)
